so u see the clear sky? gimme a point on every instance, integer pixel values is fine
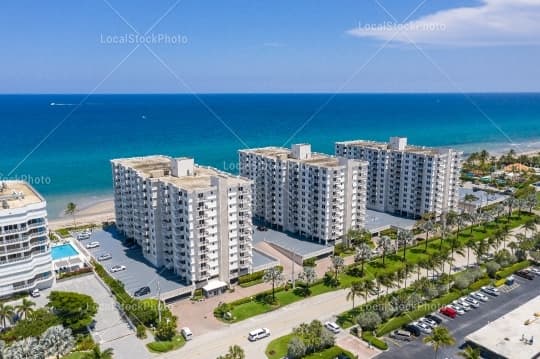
(63, 46)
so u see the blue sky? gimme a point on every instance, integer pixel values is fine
(273, 46)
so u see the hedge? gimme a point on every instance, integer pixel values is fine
(368, 337)
(253, 276)
(422, 310)
(479, 284)
(512, 269)
(500, 282)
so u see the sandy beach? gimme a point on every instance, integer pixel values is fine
(94, 213)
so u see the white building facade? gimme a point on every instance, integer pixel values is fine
(317, 196)
(25, 254)
(407, 180)
(194, 220)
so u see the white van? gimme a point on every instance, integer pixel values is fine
(258, 334)
(186, 333)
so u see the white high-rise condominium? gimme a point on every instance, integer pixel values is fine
(191, 219)
(317, 196)
(407, 180)
(25, 254)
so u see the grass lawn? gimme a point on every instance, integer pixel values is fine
(277, 348)
(330, 353)
(175, 343)
(393, 262)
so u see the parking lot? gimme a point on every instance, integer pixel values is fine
(139, 272)
(510, 298)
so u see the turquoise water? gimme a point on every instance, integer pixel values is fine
(63, 251)
(64, 149)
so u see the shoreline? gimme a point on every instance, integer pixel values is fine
(97, 209)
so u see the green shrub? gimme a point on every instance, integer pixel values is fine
(310, 262)
(500, 282)
(512, 269)
(368, 337)
(141, 331)
(84, 342)
(492, 268)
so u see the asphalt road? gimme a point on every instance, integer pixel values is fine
(468, 323)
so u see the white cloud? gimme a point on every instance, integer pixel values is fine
(492, 23)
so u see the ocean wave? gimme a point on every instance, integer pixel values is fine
(62, 104)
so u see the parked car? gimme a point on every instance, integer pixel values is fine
(333, 327)
(35, 293)
(424, 328)
(459, 310)
(472, 302)
(401, 335)
(104, 257)
(92, 245)
(257, 334)
(534, 270)
(118, 268)
(461, 303)
(83, 236)
(490, 290)
(262, 229)
(448, 311)
(186, 333)
(141, 291)
(479, 296)
(434, 318)
(431, 323)
(525, 274)
(413, 329)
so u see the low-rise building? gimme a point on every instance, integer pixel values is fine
(25, 254)
(193, 220)
(317, 196)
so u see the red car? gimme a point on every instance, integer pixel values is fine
(449, 312)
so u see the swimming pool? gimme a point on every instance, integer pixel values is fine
(63, 251)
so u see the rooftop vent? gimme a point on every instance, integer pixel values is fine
(5, 204)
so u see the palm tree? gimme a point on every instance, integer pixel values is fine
(529, 226)
(470, 353)
(275, 276)
(235, 352)
(337, 264)
(25, 309)
(96, 353)
(404, 237)
(363, 253)
(70, 210)
(385, 243)
(428, 227)
(367, 287)
(354, 290)
(440, 337)
(308, 275)
(6, 313)
(469, 245)
(510, 202)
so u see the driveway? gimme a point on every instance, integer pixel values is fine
(111, 331)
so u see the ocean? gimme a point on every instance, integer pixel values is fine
(64, 149)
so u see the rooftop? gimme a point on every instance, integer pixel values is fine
(386, 146)
(504, 335)
(17, 194)
(379, 221)
(159, 167)
(316, 159)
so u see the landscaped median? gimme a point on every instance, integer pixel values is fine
(258, 304)
(307, 341)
